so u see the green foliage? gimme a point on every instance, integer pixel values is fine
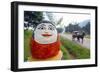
(27, 38)
(87, 28)
(66, 54)
(75, 49)
(33, 17)
(71, 27)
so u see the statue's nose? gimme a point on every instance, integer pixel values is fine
(46, 32)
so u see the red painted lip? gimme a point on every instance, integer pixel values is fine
(46, 35)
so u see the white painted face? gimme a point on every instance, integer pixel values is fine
(45, 33)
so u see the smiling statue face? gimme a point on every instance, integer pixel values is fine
(45, 33)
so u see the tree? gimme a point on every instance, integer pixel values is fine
(32, 18)
(87, 28)
(73, 27)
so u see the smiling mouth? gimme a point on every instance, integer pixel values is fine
(46, 35)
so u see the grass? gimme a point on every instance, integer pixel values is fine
(66, 54)
(70, 49)
(75, 49)
(27, 37)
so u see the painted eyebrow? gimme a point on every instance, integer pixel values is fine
(42, 25)
(51, 26)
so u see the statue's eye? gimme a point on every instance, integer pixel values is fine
(51, 27)
(41, 28)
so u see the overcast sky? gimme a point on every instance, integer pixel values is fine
(70, 17)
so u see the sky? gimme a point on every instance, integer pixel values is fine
(69, 18)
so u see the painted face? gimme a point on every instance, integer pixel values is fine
(45, 33)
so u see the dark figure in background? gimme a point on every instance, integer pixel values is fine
(74, 35)
(79, 36)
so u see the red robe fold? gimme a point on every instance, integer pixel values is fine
(44, 51)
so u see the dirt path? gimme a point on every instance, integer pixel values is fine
(86, 42)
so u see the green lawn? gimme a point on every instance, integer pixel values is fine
(27, 37)
(66, 54)
(76, 50)
(70, 49)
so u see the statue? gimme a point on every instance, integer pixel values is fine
(45, 42)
